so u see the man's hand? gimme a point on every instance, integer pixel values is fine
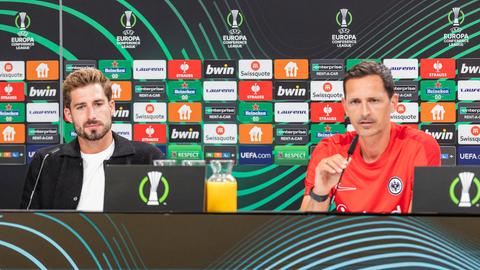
(327, 173)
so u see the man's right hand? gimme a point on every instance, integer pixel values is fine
(327, 173)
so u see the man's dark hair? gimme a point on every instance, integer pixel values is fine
(371, 68)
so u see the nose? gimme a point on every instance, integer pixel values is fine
(92, 115)
(365, 109)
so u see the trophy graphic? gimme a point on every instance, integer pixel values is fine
(344, 12)
(128, 16)
(234, 18)
(466, 179)
(23, 15)
(456, 12)
(154, 178)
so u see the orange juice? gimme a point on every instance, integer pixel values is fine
(221, 196)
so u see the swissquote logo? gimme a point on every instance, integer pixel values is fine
(255, 69)
(326, 90)
(12, 70)
(220, 134)
(406, 112)
(469, 134)
(149, 112)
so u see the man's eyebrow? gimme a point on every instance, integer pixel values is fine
(80, 103)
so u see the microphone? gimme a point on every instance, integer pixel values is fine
(350, 151)
(49, 153)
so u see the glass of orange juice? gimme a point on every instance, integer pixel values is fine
(221, 187)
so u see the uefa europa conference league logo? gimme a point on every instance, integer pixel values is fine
(22, 41)
(235, 39)
(466, 179)
(344, 39)
(153, 178)
(455, 38)
(128, 41)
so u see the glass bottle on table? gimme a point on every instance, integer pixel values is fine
(221, 187)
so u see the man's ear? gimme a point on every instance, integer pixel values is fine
(111, 104)
(344, 103)
(393, 103)
(67, 114)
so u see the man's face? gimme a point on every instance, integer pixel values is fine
(368, 106)
(90, 112)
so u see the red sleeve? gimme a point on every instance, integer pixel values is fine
(322, 150)
(431, 152)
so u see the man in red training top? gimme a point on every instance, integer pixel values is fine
(378, 177)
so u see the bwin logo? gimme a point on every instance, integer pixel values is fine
(224, 70)
(47, 92)
(120, 112)
(292, 92)
(443, 135)
(190, 134)
(465, 69)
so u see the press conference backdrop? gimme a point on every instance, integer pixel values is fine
(255, 81)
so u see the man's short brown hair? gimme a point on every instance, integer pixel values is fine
(371, 68)
(84, 77)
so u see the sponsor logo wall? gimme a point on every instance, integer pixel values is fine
(257, 109)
